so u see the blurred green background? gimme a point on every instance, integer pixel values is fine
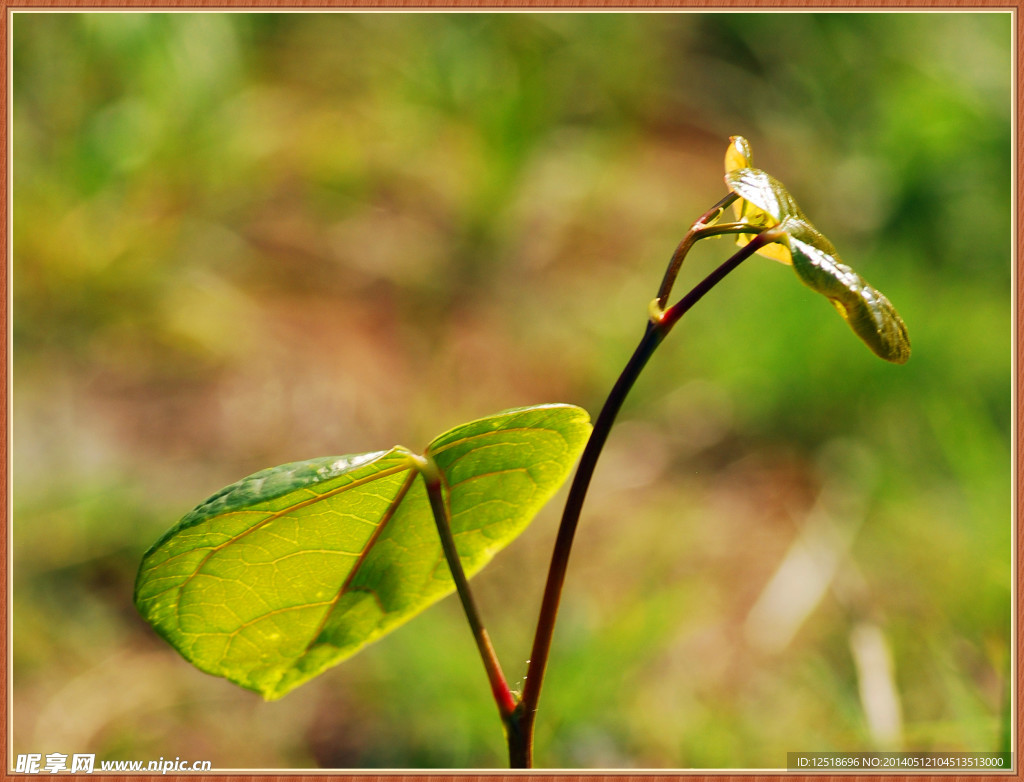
(247, 239)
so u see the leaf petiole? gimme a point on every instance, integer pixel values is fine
(680, 308)
(432, 479)
(692, 237)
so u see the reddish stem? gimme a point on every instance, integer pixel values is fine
(521, 755)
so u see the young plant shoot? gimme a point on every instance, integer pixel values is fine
(290, 571)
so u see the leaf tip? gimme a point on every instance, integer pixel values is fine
(738, 154)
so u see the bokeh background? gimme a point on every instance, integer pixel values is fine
(246, 239)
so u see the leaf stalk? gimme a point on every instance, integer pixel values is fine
(692, 237)
(499, 686)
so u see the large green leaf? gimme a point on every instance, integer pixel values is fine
(291, 570)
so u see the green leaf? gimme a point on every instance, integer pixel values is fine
(869, 313)
(764, 202)
(739, 156)
(290, 571)
(768, 194)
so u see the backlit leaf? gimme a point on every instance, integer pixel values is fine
(869, 313)
(764, 202)
(739, 154)
(290, 571)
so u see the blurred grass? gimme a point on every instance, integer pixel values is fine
(242, 239)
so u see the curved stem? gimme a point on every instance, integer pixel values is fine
(672, 315)
(691, 238)
(570, 518)
(499, 686)
(657, 330)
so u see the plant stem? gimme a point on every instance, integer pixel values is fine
(681, 307)
(563, 543)
(656, 331)
(499, 687)
(691, 238)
